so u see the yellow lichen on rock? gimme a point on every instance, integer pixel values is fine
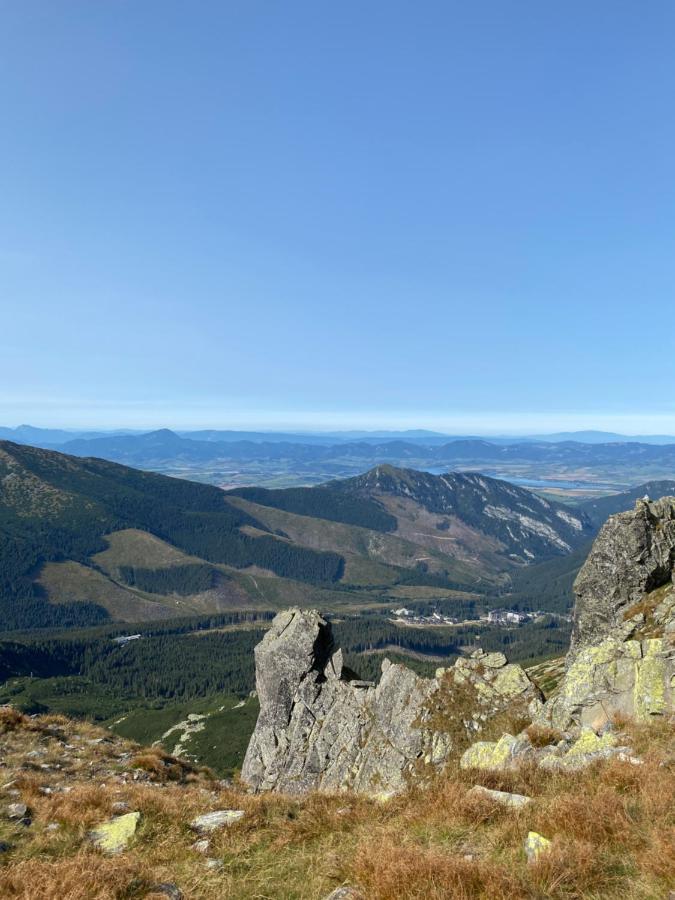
(489, 754)
(649, 694)
(535, 845)
(115, 835)
(590, 742)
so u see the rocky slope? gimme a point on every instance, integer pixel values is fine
(521, 526)
(320, 728)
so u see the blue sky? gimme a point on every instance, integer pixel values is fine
(301, 214)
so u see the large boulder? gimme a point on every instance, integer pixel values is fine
(633, 554)
(320, 728)
(622, 658)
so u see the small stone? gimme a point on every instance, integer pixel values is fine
(535, 845)
(17, 811)
(5, 847)
(214, 863)
(345, 893)
(52, 826)
(516, 801)
(114, 836)
(120, 806)
(218, 819)
(168, 889)
(201, 846)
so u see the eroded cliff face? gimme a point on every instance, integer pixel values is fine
(319, 728)
(633, 554)
(622, 658)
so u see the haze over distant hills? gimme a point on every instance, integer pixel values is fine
(235, 458)
(48, 437)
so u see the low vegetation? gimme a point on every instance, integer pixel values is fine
(611, 827)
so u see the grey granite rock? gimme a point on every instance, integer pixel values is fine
(622, 658)
(319, 730)
(634, 553)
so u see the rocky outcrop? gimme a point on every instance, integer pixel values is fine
(622, 659)
(321, 728)
(633, 555)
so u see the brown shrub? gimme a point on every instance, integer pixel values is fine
(163, 767)
(594, 813)
(11, 719)
(543, 735)
(86, 876)
(574, 869)
(388, 870)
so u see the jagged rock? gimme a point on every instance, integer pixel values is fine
(632, 678)
(516, 801)
(535, 846)
(114, 836)
(622, 659)
(633, 554)
(319, 730)
(218, 819)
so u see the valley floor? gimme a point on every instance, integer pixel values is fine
(612, 828)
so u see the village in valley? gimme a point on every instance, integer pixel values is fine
(501, 617)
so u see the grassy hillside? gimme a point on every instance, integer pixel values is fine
(54, 507)
(609, 825)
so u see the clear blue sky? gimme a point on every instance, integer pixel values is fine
(448, 214)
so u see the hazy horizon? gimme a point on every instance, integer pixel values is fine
(365, 425)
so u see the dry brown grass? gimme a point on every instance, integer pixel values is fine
(388, 870)
(84, 876)
(543, 735)
(612, 829)
(163, 767)
(11, 719)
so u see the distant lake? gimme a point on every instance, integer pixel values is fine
(536, 482)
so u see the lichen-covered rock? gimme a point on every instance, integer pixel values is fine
(320, 729)
(629, 678)
(536, 845)
(633, 554)
(114, 836)
(496, 755)
(622, 659)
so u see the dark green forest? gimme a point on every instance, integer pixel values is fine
(323, 503)
(93, 498)
(185, 580)
(192, 659)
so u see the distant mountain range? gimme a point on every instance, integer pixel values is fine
(56, 437)
(164, 446)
